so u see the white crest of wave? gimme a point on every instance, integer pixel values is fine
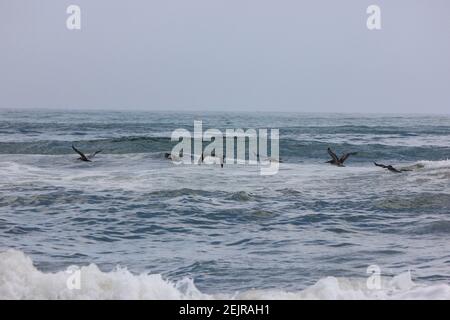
(19, 279)
(435, 164)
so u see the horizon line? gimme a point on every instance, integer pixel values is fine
(193, 110)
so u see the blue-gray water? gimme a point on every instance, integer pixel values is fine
(229, 229)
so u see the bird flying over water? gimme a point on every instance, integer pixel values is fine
(83, 157)
(339, 161)
(391, 168)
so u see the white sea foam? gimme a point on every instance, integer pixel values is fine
(392, 140)
(435, 164)
(19, 279)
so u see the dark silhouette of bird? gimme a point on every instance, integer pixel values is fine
(391, 168)
(83, 157)
(339, 161)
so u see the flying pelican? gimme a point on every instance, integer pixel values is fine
(339, 161)
(83, 157)
(391, 168)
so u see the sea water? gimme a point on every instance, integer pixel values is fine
(137, 226)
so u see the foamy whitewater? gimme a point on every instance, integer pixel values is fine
(137, 226)
(19, 279)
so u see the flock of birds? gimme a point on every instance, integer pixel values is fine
(335, 160)
(340, 162)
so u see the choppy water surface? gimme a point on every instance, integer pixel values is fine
(228, 229)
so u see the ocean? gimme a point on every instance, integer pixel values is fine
(137, 226)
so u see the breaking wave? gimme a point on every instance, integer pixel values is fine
(19, 279)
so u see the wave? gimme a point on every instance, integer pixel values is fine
(438, 164)
(436, 228)
(291, 150)
(418, 202)
(19, 279)
(122, 145)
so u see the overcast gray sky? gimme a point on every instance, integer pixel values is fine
(262, 55)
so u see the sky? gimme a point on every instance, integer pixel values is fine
(226, 55)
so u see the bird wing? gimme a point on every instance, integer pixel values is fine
(83, 157)
(395, 170)
(345, 156)
(380, 165)
(333, 155)
(94, 154)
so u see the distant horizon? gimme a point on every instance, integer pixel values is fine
(187, 111)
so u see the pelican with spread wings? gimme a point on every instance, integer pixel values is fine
(83, 157)
(339, 161)
(391, 168)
